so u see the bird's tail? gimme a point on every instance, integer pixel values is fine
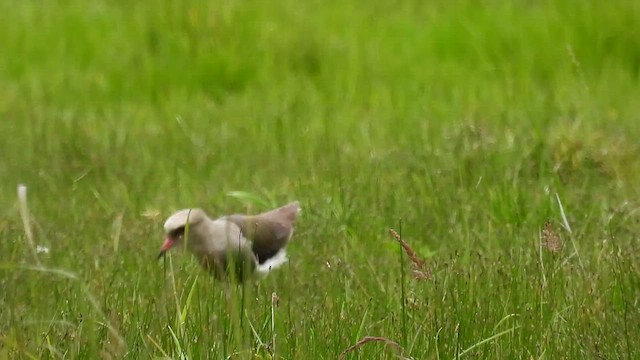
(273, 262)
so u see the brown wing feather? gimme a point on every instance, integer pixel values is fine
(269, 231)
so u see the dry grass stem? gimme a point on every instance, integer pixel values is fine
(420, 270)
(26, 221)
(368, 339)
(550, 238)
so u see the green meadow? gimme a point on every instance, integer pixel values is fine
(499, 138)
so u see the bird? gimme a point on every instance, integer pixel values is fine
(233, 246)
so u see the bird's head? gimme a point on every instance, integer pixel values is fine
(176, 226)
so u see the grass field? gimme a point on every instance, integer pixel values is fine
(464, 125)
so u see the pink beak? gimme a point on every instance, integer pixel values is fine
(168, 243)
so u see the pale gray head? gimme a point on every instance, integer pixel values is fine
(176, 225)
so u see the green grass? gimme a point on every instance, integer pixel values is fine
(460, 120)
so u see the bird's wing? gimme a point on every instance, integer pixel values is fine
(269, 231)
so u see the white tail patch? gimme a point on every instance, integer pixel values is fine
(273, 263)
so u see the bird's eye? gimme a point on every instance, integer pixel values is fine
(177, 233)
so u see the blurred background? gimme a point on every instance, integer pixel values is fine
(460, 120)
